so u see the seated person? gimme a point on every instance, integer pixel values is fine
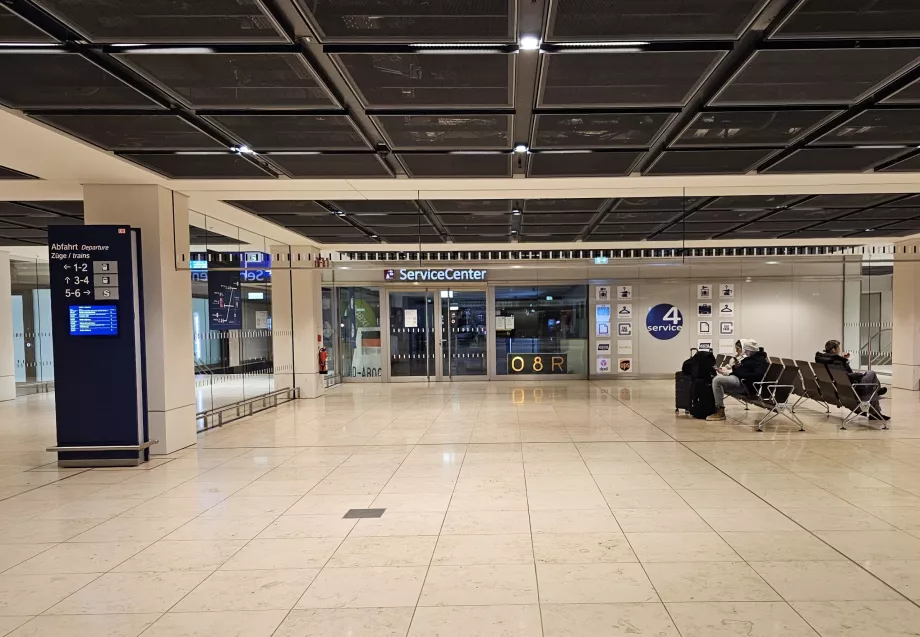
(739, 380)
(870, 387)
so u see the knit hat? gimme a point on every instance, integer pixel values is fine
(749, 345)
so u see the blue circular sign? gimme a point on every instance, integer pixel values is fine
(664, 321)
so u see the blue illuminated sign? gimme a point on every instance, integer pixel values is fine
(93, 320)
(664, 321)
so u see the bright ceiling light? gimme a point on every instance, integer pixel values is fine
(521, 148)
(530, 43)
(243, 150)
(516, 213)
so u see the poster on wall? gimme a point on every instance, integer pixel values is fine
(624, 348)
(410, 318)
(726, 346)
(603, 348)
(727, 291)
(624, 292)
(603, 329)
(602, 313)
(726, 309)
(704, 292)
(603, 365)
(602, 293)
(262, 320)
(624, 329)
(727, 328)
(704, 328)
(624, 311)
(704, 345)
(624, 365)
(704, 310)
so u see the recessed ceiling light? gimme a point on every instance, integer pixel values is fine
(772, 262)
(243, 150)
(530, 43)
(373, 236)
(521, 148)
(516, 213)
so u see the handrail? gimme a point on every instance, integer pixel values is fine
(875, 356)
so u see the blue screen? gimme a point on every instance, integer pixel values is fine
(93, 320)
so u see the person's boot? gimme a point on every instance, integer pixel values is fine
(883, 391)
(718, 416)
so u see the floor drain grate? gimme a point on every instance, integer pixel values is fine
(364, 513)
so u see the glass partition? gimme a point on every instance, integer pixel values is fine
(33, 350)
(360, 336)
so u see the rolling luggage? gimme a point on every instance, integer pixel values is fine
(704, 403)
(683, 392)
(693, 385)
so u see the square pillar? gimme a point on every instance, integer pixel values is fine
(906, 317)
(7, 355)
(162, 217)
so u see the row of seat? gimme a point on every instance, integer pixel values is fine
(786, 379)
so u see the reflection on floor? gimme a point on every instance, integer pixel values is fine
(560, 509)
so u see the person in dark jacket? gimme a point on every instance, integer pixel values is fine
(751, 368)
(869, 384)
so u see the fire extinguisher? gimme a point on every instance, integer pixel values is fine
(323, 356)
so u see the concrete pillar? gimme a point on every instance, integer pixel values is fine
(7, 357)
(162, 217)
(906, 317)
(297, 328)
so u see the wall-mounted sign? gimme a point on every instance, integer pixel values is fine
(410, 318)
(664, 321)
(447, 274)
(603, 348)
(624, 348)
(624, 365)
(262, 320)
(601, 260)
(727, 328)
(538, 364)
(602, 313)
(705, 328)
(726, 309)
(704, 292)
(726, 346)
(704, 345)
(624, 311)
(624, 329)
(603, 329)
(603, 365)
(624, 292)
(704, 310)
(727, 291)
(602, 293)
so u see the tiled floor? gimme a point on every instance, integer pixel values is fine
(512, 510)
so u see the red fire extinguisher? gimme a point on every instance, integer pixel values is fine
(323, 356)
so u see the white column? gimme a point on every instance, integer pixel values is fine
(906, 319)
(7, 369)
(297, 327)
(162, 217)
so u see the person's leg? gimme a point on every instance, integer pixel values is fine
(870, 385)
(722, 385)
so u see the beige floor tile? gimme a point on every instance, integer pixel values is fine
(660, 521)
(132, 529)
(251, 506)
(8, 624)
(863, 546)
(184, 555)
(395, 523)
(89, 509)
(34, 594)
(907, 518)
(486, 523)
(822, 581)
(728, 619)
(301, 553)
(248, 590)
(801, 498)
(79, 558)
(366, 587)
(479, 585)
(13, 554)
(681, 547)
(744, 520)
(736, 498)
(412, 502)
(384, 551)
(861, 619)
(353, 622)
(573, 521)
(582, 548)
(226, 624)
(709, 582)
(628, 482)
(594, 584)
(130, 593)
(609, 620)
(645, 499)
(489, 501)
(477, 621)
(289, 527)
(44, 531)
(87, 626)
(847, 518)
(902, 575)
(462, 550)
(221, 528)
(329, 504)
(780, 546)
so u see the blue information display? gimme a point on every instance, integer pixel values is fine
(93, 320)
(664, 321)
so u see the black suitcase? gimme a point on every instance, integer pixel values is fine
(704, 403)
(683, 392)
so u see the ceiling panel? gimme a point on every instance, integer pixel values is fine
(448, 132)
(529, 228)
(831, 160)
(910, 94)
(682, 236)
(462, 165)
(72, 208)
(613, 238)
(877, 126)
(326, 219)
(707, 162)
(279, 207)
(416, 80)
(746, 234)
(814, 76)
(541, 218)
(480, 238)
(199, 166)
(851, 19)
(24, 233)
(846, 201)
(599, 164)
(562, 205)
(642, 217)
(342, 166)
(620, 228)
(751, 202)
(401, 21)
(852, 225)
(912, 225)
(9, 173)
(234, 80)
(778, 226)
(179, 21)
(15, 29)
(911, 164)
(457, 221)
(725, 216)
(886, 232)
(474, 206)
(649, 79)
(294, 132)
(886, 214)
(548, 238)
(612, 20)
(618, 130)
(651, 204)
(364, 207)
(805, 214)
(750, 128)
(62, 80)
(133, 132)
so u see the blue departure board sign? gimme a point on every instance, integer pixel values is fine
(93, 320)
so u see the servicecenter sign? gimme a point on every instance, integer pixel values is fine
(448, 274)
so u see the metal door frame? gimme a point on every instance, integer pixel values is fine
(432, 324)
(444, 375)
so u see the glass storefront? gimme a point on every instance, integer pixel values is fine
(360, 337)
(464, 333)
(412, 343)
(33, 351)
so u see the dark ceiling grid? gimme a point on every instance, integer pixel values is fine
(26, 223)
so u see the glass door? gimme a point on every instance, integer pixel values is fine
(412, 335)
(463, 335)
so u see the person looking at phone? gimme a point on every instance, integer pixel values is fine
(749, 366)
(868, 383)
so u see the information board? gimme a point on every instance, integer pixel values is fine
(224, 300)
(98, 335)
(538, 364)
